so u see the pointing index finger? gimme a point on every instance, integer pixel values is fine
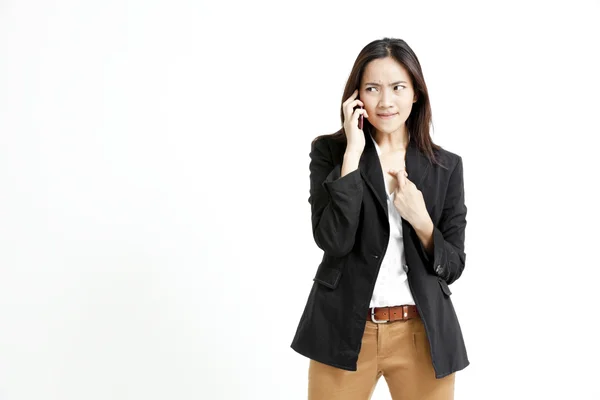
(400, 177)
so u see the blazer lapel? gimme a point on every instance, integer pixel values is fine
(370, 169)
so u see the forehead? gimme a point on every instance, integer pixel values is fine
(385, 70)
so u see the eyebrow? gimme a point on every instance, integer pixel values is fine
(391, 84)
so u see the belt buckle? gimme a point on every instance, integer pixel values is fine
(375, 320)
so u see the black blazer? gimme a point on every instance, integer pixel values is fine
(350, 224)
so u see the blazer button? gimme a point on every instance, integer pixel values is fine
(405, 267)
(375, 256)
(438, 269)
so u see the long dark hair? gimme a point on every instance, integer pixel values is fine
(419, 119)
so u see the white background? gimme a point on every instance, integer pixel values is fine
(155, 238)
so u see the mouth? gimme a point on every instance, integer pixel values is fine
(387, 116)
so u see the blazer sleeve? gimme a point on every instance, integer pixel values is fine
(449, 236)
(335, 202)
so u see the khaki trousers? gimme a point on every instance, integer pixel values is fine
(399, 351)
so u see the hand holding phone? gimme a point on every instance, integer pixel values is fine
(353, 121)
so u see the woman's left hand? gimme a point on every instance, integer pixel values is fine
(409, 200)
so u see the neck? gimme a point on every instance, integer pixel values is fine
(394, 141)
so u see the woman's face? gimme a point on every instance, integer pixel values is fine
(386, 88)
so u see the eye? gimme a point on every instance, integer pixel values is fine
(372, 87)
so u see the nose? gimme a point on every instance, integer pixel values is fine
(385, 99)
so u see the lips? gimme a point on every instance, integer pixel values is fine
(386, 116)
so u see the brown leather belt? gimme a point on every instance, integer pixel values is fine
(388, 314)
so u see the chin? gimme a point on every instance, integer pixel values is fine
(387, 129)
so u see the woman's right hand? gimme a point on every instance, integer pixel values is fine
(354, 136)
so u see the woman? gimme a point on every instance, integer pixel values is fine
(388, 211)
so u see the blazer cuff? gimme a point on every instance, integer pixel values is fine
(350, 181)
(437, 262)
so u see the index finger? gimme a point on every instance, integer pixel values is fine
(400, 177)
(352, 96)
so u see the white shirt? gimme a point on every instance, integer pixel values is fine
(391, 287)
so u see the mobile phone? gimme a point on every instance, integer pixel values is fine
(360, 120)
(360, 117)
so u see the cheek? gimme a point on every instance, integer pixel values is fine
(371, 109)
(369, 105)
(406, 106)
